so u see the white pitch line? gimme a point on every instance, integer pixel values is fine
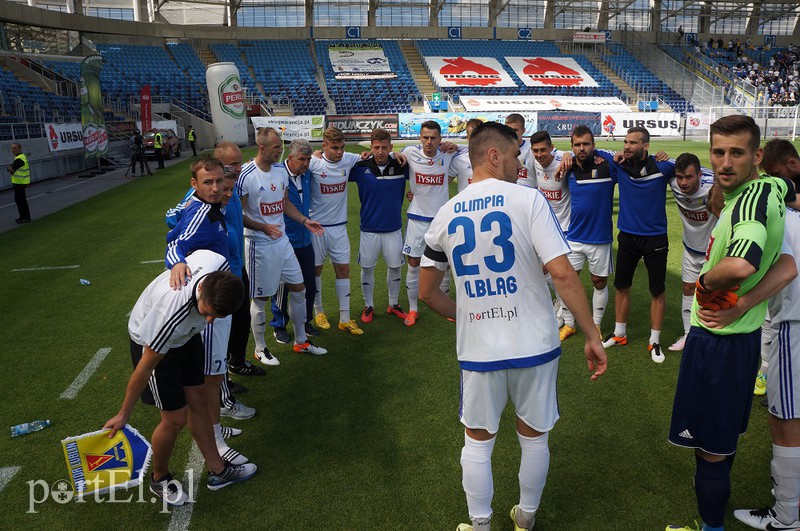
(48, 268)
(152, 261)
(6, 474)
(51, 191)
(182, 516)
(78, 383)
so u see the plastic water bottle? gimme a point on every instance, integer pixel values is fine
(85, 282)
(28, 427)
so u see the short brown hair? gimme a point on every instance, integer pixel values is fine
(778, 151)
(380, 135)
(516, 118)
(223, 291)
(580, 130)
(333, 134)
(685, 160)
(645, 133)
(264, 132)
(541, 136)
(488, 135)
(735, 124)
(222, 147)
(206, 163)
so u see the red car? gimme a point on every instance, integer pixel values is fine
(171, 144)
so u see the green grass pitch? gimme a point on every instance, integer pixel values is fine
(366, 437)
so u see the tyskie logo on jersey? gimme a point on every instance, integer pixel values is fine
(429, 180)
(231, 97)
(333, 188)
(269, 209)
(698, 216)
(551, 195)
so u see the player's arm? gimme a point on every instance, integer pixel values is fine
(571, 290)
(291, 210)
(434, 265)
(136, 384)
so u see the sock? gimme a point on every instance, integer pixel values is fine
(599, 303)
(686, 312)
(343, 294)
(412, 286)
(218, 435)
(785, 467)
(533, 468)
(712, 486)
(393, 277)
(297, 313)
(569, 319)
(445, 285)
(368, 285)
(258, 323)
(318, 295)
(476, 466)
(655, 336)
(620, 329)
(226, 397)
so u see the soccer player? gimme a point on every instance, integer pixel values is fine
(642, 224)
(526, 174)
(296, 165)
(167, 356)
(428, 173)
(690, 188)
(381, 182)
(505, 234)
(460, 166)
(269, 256)
(781, 160)
(329, 205)
(591, 187)
(554, 188)
(714, 390)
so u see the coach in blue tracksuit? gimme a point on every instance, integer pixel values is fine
(296, 164)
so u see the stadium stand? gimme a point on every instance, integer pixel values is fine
(23, 101)
(229, 53)
(184, 56)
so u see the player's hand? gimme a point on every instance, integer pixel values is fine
(618, 157)
(179, 275)
(410, 195)
(448, 147)
(317, 154)
(314, 227)
(719, 318)
(595, 358)
(715, 300)
(272, 231)
(115, 424)
(661, 156)
(366, 154)
(564, 166)
(599, 160)
(399, 157)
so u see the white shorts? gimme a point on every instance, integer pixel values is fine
(335, 243)
(783, 394)
(690, 269)
(215, 344)
(269, 264)
(599, 256)
(373, 244)
(414, 245)
(532, 390)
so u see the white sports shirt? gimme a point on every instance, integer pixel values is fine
(785, 306)
(461, 168)
(698, 222)
(164, 318)
(329, 188)
(429, 181)
(526, 173)
(495, 236)
(556, 191)
(265, 193)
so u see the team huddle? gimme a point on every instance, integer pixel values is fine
(526, 220)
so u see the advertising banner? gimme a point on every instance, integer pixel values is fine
(550, 72)
(293, 127)
(454, 124)
(360, 126)
(226, 100)
(657, 123)
(95, 137)
(698, 121)
(543, 103)
(359, 61)
(597, 37)
(561, 123)
(61, 137)
(146, 108)
(468, 72)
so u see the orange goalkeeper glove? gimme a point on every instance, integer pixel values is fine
(714, 300)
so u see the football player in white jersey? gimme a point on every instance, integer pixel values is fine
(526, 175)
(506, 336)
(461, 167)
(269, 256)
(429, 180)
(690, 188)
(330, 174)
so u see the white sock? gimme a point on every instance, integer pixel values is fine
(318, 295)
(368, 285)
(218, 435)
(412, 286)
(599, 303)
(393, 277)
(620, 329)
(297, 313)
(445, 285)
(476, 466)
(257, 322)
(686, 312)
(569, 319)
(343, 294)
(785, 466)
(655, 336)
(533, 467)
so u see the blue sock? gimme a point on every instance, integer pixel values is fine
(712, 486)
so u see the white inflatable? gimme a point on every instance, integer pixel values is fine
(226, 95)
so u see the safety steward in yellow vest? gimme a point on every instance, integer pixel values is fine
(20, 171)
(158, 145)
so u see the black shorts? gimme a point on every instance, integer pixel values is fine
(715, 390)
(630, 249)
(180, 367)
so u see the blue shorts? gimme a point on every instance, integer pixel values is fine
(715, 390)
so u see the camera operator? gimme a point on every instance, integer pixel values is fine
(137, 153)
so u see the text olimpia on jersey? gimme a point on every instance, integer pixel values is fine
(329, 189)
(265, 193)
(555, 190)
(698, 222)
(428, 178)
(496, 236)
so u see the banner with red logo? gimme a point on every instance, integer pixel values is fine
(146, 108)
(698, 121)
(550, 72)
(468, 72)
(543, 103)
(62, 137)
(95, 136)
(657, 123)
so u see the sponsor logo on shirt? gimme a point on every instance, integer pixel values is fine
(694, 215)
(552, 195)
(268, 209)
(522, 173)
(498, 312)
(710, 245)
(430, 180)
(333, 188)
